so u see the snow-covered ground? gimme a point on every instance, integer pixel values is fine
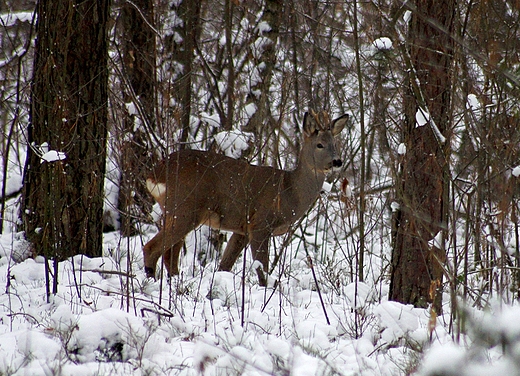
(103, 321)
(107, 318)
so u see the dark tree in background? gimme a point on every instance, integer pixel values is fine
(63, 200)
(182, 45)
(417, 260)
(138, 63)
(265, 62)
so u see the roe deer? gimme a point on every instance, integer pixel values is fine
(254, 202)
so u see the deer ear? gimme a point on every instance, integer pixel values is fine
(310, 126)
(338, 124)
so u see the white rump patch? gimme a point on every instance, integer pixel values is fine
(156, 189)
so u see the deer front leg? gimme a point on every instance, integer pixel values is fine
(167, 241)
(234, 248)
(260, 252)
(171, 258)
(151, 253)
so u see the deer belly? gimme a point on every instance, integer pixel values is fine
(227, 223)
(213, 220)
(218, 222)
(281, 230)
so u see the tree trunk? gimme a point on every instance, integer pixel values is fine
(62, 205)
(417, 260)
(182, 47)
(138, 46)
(260, 122)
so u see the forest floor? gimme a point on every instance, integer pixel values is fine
(108, 318)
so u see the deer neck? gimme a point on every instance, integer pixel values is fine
(306, 183)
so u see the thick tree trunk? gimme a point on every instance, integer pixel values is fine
(63, 200)
(417, 260)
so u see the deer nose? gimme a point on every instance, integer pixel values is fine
(336, 163)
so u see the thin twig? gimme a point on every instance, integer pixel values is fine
(309, 260)
(112, 272)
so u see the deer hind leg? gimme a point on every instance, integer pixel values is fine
(260, 252)
(234, 248)
(166, 241)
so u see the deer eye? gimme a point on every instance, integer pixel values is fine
(319, 146)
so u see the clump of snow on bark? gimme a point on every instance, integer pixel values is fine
(53, 156)
(47, 155)
(422, 117)
(407, 16)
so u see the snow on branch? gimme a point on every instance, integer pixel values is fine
(422, 117)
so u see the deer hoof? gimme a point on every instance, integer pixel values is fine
(262, 280)
(150, 272)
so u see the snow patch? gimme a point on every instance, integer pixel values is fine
(436, 241)
(472, 103)
(212, 120)
(259, 45)
(396, 319)
(407, 16)
(327, 187)
(443, 360)
(358, 294)
(250, 109)
(233, 143)
(10, 19)
(383, 43)
(263, 27)
(131, 108)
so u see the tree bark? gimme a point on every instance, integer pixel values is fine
(417, 262)
(138, 47)
(182, 47)
(62, 206)
(260, 123)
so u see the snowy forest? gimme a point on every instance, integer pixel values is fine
(408, 262)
